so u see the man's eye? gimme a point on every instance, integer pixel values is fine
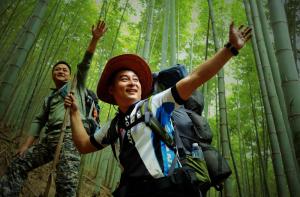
(124, 79)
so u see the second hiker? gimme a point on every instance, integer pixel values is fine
(51, 117)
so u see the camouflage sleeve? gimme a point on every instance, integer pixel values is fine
(83, 67)
(39, 121)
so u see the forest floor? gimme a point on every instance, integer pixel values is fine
(37, 179)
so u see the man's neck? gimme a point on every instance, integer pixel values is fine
(59, 85)
(124, 109)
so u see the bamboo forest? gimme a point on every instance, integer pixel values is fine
(252, 105)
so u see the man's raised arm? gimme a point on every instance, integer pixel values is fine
(97, 32)
(205, 71)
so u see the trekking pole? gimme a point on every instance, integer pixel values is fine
(60, 142)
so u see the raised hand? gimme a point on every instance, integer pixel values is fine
(99, 30)
(238, 37)
(70, 102)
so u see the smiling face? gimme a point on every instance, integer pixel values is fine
(60, 75)
(126, 89)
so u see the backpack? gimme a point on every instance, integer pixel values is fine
(92, 120)
(191, 127)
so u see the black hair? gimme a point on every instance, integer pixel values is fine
(61, 62)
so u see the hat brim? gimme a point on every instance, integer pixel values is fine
(124, 62)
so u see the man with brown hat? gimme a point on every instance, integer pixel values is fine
(145, 159)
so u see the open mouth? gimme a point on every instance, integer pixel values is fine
(132, 91)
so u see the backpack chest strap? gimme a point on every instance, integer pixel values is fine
(156, 127)
(143, 114)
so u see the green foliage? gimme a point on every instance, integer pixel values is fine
(67, 30)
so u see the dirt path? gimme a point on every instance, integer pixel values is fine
(37, 179)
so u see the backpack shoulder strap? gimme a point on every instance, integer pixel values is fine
(92, 105)
(113, 134)
(150, 121)
(178, 141)
(48, 102)
(62, 92)
(156, 127)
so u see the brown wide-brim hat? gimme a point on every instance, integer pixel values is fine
(124, 62)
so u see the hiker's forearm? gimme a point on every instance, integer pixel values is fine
(92, 46)
(80, 137)
(85, 64)
(29, 141)
(202, 73)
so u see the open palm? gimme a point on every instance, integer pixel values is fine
(99, 30)
(238, 37)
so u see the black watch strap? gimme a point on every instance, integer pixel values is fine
(233, 50)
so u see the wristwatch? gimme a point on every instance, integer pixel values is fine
(233, 50)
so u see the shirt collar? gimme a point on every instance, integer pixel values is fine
(129, 110)
(62, 91)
